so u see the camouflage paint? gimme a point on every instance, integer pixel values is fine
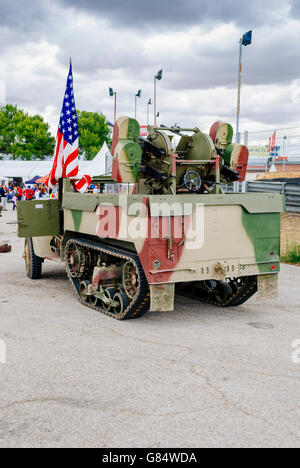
(126, 150)
(125, 128)
(42, 248)
(248, 244)
(221, 134)
(127, 161)
(77, 217)
(236, 156)
(263, 230)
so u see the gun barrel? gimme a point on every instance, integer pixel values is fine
(178, 130)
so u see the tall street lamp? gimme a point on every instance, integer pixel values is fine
(138, 95)
(158, 76)
(149, 103)
(283, 151)
(244, 41)
(113, 93)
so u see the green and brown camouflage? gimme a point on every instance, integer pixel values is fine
(126, 151)
(221, 134)
(126, 254)
(235, 155)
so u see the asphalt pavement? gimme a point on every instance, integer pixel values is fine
(196, 377)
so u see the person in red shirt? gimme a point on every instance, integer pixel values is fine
(28, 193)
(19, 193)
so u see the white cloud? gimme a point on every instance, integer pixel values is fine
(199, 59)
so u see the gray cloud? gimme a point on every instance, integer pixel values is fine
(295, 8)
(141, 14)
(171, 14)
(24, 15)
(122, 44)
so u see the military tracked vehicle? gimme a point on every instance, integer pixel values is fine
(170, 228)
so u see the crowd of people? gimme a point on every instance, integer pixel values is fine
(14, 193)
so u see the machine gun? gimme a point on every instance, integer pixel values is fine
(198, 163)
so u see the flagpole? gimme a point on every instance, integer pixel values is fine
(154, 102)
(115, 106)
(237, 138)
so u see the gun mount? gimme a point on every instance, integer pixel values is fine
(198, 163)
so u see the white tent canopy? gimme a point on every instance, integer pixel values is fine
(29, 169)
(97, 166)
(98, 163)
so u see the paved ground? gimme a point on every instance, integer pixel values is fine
(200, 376)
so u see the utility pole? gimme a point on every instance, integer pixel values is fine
(149, 103)
(158, 76)
(113, 94)
(137, 95)
(244, 41)
(115, 106)
(283, 150)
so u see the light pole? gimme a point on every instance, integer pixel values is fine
(113, 93)
(283, 151)
(149, 103)
(138, 95)
(158, 76)
(244, 41)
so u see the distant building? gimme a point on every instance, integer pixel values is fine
(256, 166)
(258, 151)
(285, 165)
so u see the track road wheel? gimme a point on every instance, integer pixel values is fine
(75, 260)
(122, 301)
(83, 289)
(109, 293)
(33, 263)
(93, 300)
(224, 291)
(130, 279)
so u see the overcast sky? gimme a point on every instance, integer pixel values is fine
(123, 43)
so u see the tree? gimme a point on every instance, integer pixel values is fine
(24, 136)
(93, 132)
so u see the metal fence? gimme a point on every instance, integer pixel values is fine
(287, 141)
(290, 190)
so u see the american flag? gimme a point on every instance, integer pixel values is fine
(65, 163)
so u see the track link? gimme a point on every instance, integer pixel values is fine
(244, 292)
(139, 304)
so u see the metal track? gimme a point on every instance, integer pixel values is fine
(139, 304)
(242, 295)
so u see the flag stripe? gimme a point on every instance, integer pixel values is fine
(65, 161)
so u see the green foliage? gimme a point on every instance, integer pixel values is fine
(24, 136)
(93, 132)
(292, 254)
